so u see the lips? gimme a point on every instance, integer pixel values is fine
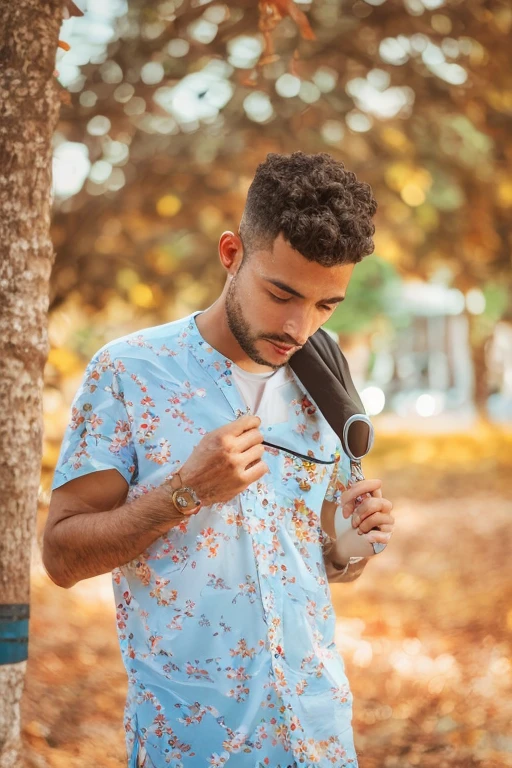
(281, 348)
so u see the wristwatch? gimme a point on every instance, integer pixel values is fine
(184, 499)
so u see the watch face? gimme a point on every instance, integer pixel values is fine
(182, 501)
(185, 499)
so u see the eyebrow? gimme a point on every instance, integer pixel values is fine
(284, 287)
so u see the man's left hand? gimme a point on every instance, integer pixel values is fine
(374, 510)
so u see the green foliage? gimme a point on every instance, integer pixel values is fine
(497, 301)
(164, 128)
(373, 291)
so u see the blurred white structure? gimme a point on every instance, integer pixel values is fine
(426, 370)
(499, 361)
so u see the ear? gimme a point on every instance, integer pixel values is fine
(230, 252)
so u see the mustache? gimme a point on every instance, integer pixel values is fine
(285, 343)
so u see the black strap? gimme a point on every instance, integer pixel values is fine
(323, 369)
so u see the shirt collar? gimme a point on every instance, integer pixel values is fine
(219, 367)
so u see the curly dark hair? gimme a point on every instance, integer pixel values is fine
(321, 209)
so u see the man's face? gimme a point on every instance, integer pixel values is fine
(279, 296)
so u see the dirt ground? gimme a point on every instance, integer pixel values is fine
(425, 632)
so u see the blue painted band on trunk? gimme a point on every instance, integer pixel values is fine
(14, 619)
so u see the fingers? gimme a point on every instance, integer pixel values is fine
(248, 439)
(348, 499)
(369, 506)
(373, 516)
(251, 455)
(255, 472)
(386, 527)
(378, 538)
(377, 520)
(242, 424)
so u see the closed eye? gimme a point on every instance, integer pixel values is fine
(276, 298)
(326, 307)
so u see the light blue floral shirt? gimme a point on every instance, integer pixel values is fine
(225, 623)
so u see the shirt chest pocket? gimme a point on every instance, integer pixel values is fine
(300, 442)
(301, 475)
(304, 480)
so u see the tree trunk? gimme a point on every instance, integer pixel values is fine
(29, 107)
(480, 348)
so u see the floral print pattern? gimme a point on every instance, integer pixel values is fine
(225, 623)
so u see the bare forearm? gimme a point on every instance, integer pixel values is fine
(338, 573)
(337, 570)
(336, 567)
(89, 543)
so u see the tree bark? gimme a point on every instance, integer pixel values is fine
(479, 349)
(29, 107)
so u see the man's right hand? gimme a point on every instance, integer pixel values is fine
(91, 529)
(226, 461)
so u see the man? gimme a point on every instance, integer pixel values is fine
(198, 469)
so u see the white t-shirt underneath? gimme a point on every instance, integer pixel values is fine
(252, 386)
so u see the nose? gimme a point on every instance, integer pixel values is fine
(298, 327)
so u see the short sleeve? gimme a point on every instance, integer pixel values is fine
(98, 435)
(339, 478)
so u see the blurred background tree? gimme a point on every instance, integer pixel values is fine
(172, 105)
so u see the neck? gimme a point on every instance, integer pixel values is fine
(213, 327)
